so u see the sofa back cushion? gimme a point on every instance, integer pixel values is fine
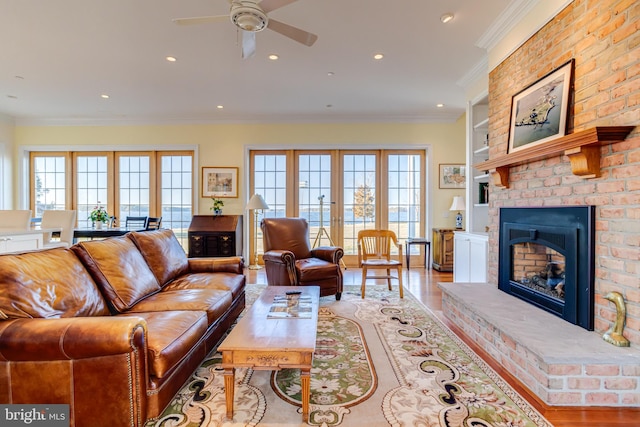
(163, 253)
(47, 284)
(119, 269)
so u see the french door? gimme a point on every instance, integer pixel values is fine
(341, 192)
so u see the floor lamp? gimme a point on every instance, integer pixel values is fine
(255, 204)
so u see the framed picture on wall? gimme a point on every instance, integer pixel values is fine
(219, 182)
(452, 176)
(539, 112)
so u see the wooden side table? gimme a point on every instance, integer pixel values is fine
(427, 250)
(443, 249)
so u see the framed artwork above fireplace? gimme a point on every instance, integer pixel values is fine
(539, 112)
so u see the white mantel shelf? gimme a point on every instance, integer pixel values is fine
(582, 148)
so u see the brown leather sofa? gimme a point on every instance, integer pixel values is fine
(289, 259)
(112, 327)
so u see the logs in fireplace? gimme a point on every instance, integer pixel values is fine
(546, 257)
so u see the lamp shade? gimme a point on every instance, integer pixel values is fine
(256, 202)
(458, 204)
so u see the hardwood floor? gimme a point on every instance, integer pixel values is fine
(423, 284)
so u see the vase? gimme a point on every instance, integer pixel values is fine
(98, 225)
(217, 212)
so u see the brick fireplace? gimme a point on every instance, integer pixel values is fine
(565, 364)
(603, 40)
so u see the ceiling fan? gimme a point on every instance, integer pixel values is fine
(250, 16)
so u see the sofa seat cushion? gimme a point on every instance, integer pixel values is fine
(119, 269)
(171, 335)
(163, 253)
(221, 281)
(315, 269)
(48, 284)
(214, 302)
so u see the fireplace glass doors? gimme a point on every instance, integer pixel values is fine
(546, 259)
(540, 268)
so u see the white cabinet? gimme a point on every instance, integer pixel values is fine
(20, 242)
(477, 193)
(470, 257)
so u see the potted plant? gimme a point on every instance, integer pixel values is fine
(217, 206)
(98, 216)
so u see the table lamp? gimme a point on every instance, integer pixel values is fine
(458, 205)
(256, 203)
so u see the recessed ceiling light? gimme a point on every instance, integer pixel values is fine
(446, 17)
(220, 107)
(19, 77)
(273, 57)
(104, 96)
(378, 56)
(329, 106)
(330, 73)
(171, 58)
(12, 96)
(439, 105)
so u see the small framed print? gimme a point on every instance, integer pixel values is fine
(452, 176)
(219, 182)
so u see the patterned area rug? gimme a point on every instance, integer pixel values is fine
(378, 361)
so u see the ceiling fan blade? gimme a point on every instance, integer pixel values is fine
(304, 37)
(200, 20)
(248, 44)
(269, 5)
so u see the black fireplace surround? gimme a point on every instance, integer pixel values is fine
(567, 233)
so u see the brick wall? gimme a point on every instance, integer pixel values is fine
(602, 37)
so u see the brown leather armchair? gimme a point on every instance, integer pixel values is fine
(289, 259)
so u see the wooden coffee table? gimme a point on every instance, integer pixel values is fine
(263, 343)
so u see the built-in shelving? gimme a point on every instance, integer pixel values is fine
(482, 125)
(582, 148)
(477, 193)
(481, 151)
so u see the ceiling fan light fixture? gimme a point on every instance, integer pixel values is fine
(248, 16)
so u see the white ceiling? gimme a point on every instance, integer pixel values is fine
(59, 56)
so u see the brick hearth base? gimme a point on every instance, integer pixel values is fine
(562, 364)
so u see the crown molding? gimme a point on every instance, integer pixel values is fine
(478, 71)
(505, 22)
(448, 116)
(513, 16)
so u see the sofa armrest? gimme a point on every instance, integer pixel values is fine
(233, 264)
(71, 338)
(97, 365)
(332, 254)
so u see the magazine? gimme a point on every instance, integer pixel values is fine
(291, 306)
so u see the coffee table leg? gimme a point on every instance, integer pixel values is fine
(229, 383)
(305, 382)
